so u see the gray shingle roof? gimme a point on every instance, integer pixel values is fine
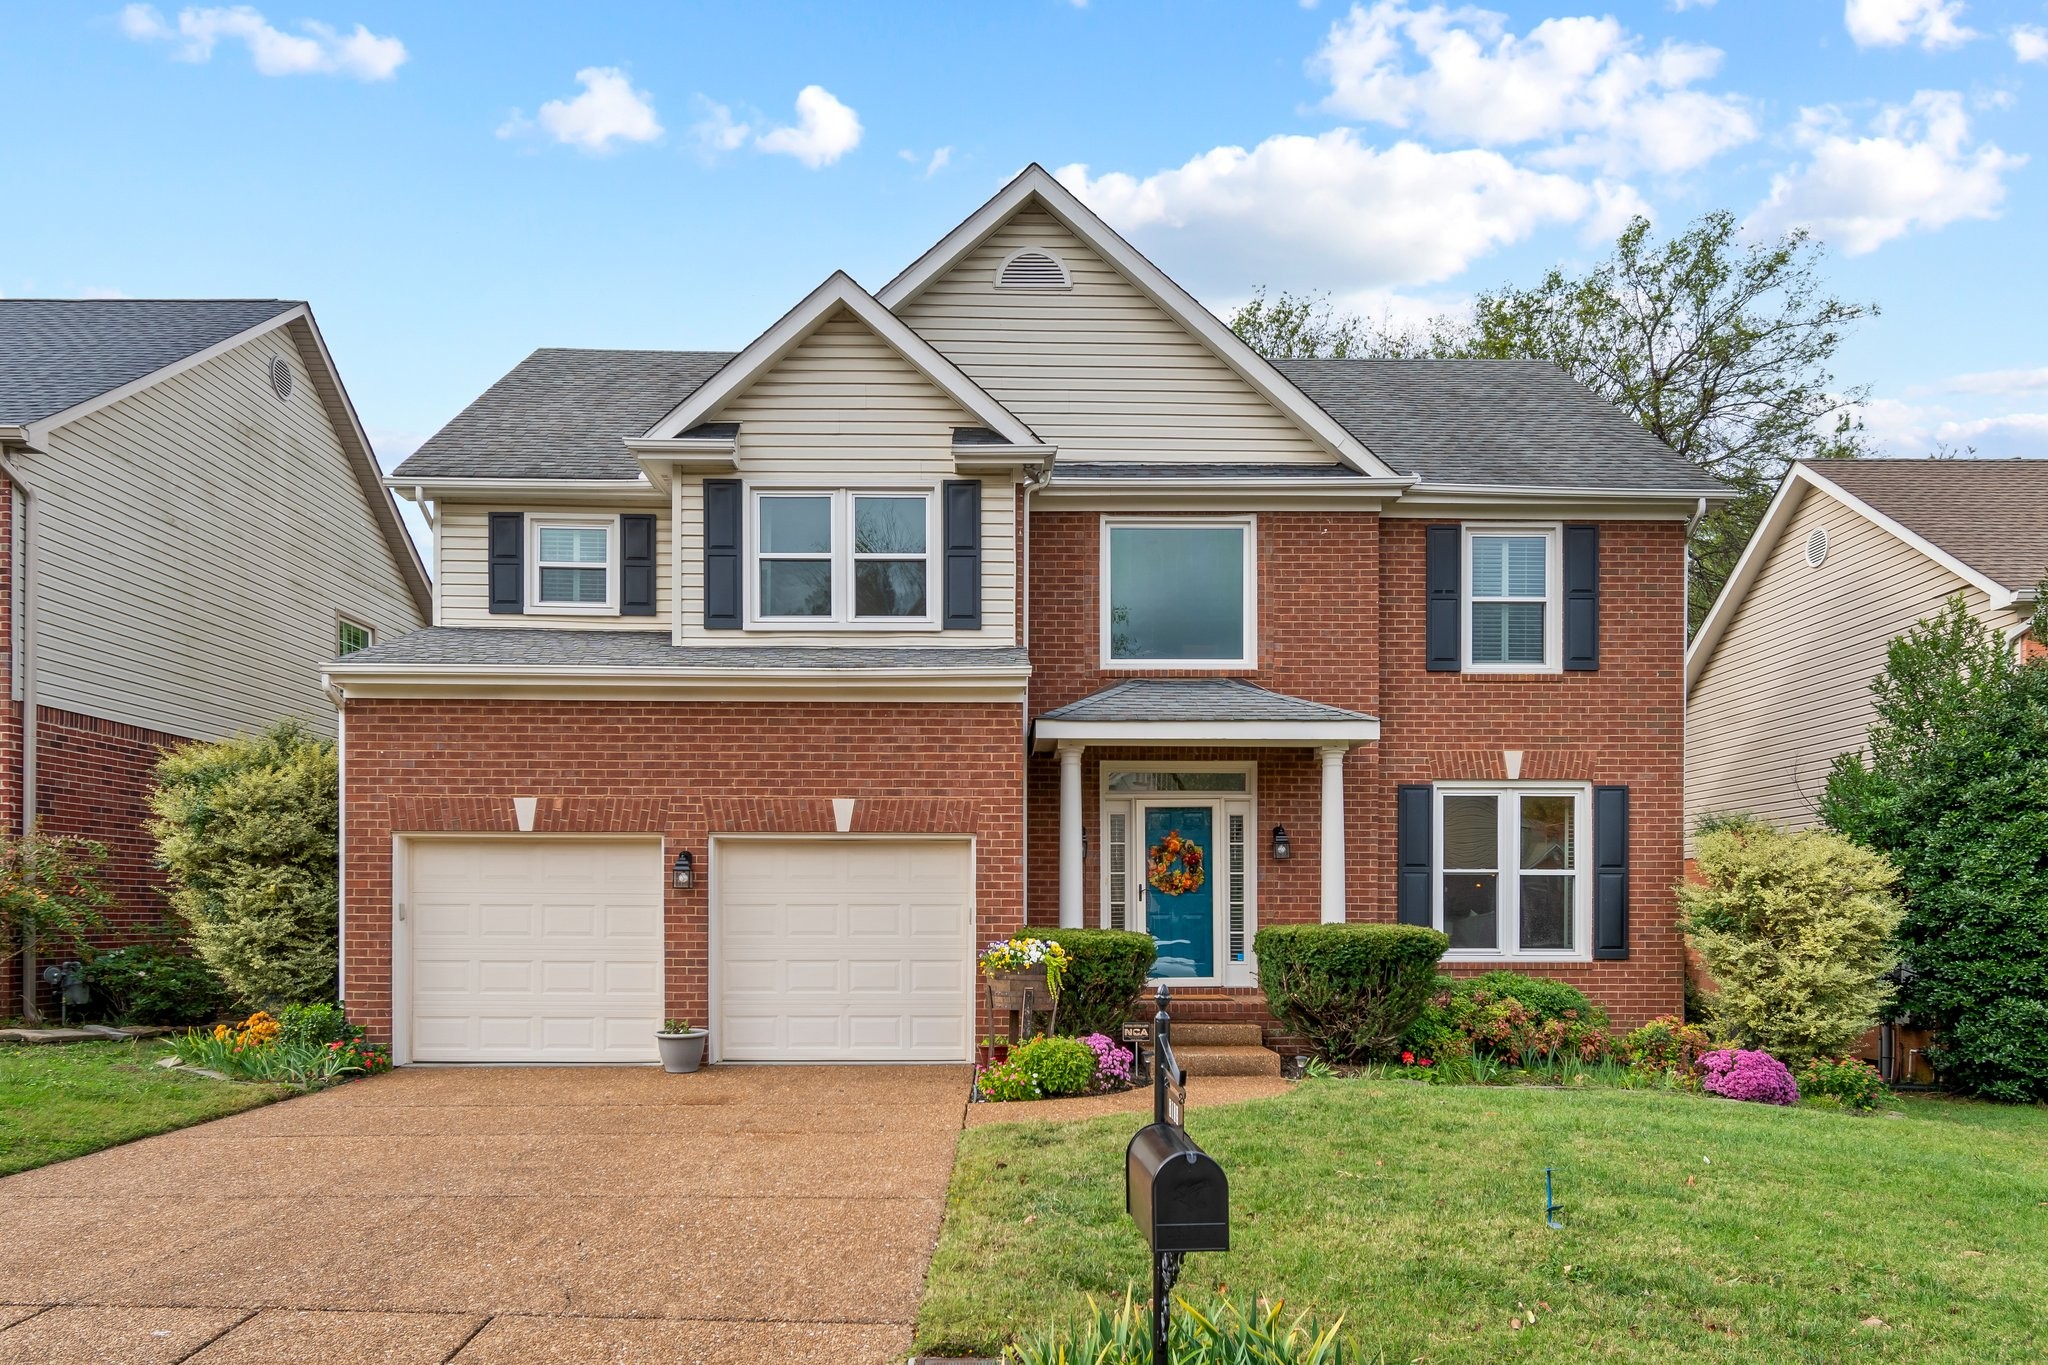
(1194, 699)
(1515, 423)
(540, 647)
(563, 414)
(58, 353)
(1991, 514)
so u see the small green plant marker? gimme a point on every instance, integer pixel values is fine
(1551, 1208)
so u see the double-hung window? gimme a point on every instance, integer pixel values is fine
(843, 557)
(1511, 878)
(1512, 604)
(575, 564)
(1179, 592)
(351, 635)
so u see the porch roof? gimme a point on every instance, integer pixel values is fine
(1200, 711)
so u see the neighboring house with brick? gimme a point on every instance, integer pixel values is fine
(191, 524)
(764, 688)
(1850, 555)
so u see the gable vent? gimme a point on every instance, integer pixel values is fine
(280, 377)
(1033, 269)
(1817, 546)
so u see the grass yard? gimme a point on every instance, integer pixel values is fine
(1694, 1228)
(63, 1100)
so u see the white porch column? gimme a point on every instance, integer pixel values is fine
(1333, 833)
(1071, 879)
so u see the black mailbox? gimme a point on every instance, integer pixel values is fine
(1175, 1191)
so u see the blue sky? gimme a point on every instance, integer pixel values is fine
(451, 187)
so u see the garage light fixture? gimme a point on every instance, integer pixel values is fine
(1282, 850)
(685, 874)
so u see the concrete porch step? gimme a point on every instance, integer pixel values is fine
(1194, 1033)
(1220, 1059)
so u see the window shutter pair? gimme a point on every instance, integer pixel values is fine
(1414, 851)
(508, 564)
(1444, 554)
(960, 560)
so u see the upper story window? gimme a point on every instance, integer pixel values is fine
(1178, 593)
(843, 557)
(575, 564)
(351, 635)
(1512, 603)
(1509, 879)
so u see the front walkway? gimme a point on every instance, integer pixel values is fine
(505, 1214)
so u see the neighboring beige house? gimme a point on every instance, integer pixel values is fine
(1849, 556)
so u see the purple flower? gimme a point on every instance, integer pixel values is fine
(1744, 1075)
(1112, 1062)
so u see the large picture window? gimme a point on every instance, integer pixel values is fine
(1510, 870)
(1178, 594)
(842, 557)
(1511, 599)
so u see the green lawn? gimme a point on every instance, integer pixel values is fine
(1694, 1228)
(64, 1100)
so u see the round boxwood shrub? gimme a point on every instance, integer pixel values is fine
(1350, 989)
(1060, 1066)
(1545, 997)
(1106, 973)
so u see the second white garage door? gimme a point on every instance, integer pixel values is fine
(844, 950)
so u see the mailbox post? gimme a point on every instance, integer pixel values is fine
(1174, 1191)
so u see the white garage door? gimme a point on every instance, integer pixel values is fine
(844, 950)
(535, 950)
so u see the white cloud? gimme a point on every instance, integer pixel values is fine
(1914, 171)
(2034, 380)
(1584, 86)
(825, 130)
(1300, 212)
(1900, 428)
(1681, 6)
(1933, 24)
(2029, 42)
(933, 164)
(609, 110)
(317, 49)
(717, 131)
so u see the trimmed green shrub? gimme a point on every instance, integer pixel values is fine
(319, 1024)
(1058, 1066)
(1795, 929)
(1504, 1014)
(1545, 997)
(1107, 972)
(249, 830)
(1666, 1043)
(1953, 788)
(1848, 1082)
(1350, 989)
(153, 983)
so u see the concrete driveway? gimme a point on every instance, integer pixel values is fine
(505, 1214)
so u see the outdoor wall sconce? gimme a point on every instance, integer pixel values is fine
(1282, 849)
(685, 873)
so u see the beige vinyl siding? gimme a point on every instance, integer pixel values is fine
(1100, 370)
(1788, 686)
(194, 543)
(462, 585)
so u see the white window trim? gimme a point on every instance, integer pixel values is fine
(1249, 660)
(1246, 802)
(843, 559)
(347, 618)
(1508, 858)
(1553, 601)
(610, 526)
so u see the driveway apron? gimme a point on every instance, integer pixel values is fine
(500, 1214)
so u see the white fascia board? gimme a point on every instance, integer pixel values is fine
(638, 489)
(1999, 593)
(1034, 181)
(1264, 734)
(1064, 487)
(1784, 503)
(11, 435)
(1613, 504)
(1005, 683)
(840, 291)
(38, 432)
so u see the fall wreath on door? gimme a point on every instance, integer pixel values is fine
(1173, 866)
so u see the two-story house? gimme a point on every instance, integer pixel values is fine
(764, 688)
(191, 523)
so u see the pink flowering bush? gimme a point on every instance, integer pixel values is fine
(1738, 1074)
(1112, 1062)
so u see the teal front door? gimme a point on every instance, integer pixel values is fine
(1180, 889)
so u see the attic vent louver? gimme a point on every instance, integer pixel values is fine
(1032, 268)
(1817, 547)
(280, 377)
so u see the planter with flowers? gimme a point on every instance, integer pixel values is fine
(1024, 976)
(682, 1047)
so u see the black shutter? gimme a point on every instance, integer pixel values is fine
(1414, 840)
(508, 563)
(1610, 873)
(963, 554)
(1446, 547)
(1581, 599)
(636, 565)
(724, 507)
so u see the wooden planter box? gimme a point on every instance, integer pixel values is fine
(1006, 990)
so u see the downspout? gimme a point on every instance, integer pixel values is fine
(340, 846)
(22, 614)
(1031, 485)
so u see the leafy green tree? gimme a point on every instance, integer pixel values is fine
(50, 895)
(250, 831)
(1719, 348)
(1953, 788)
